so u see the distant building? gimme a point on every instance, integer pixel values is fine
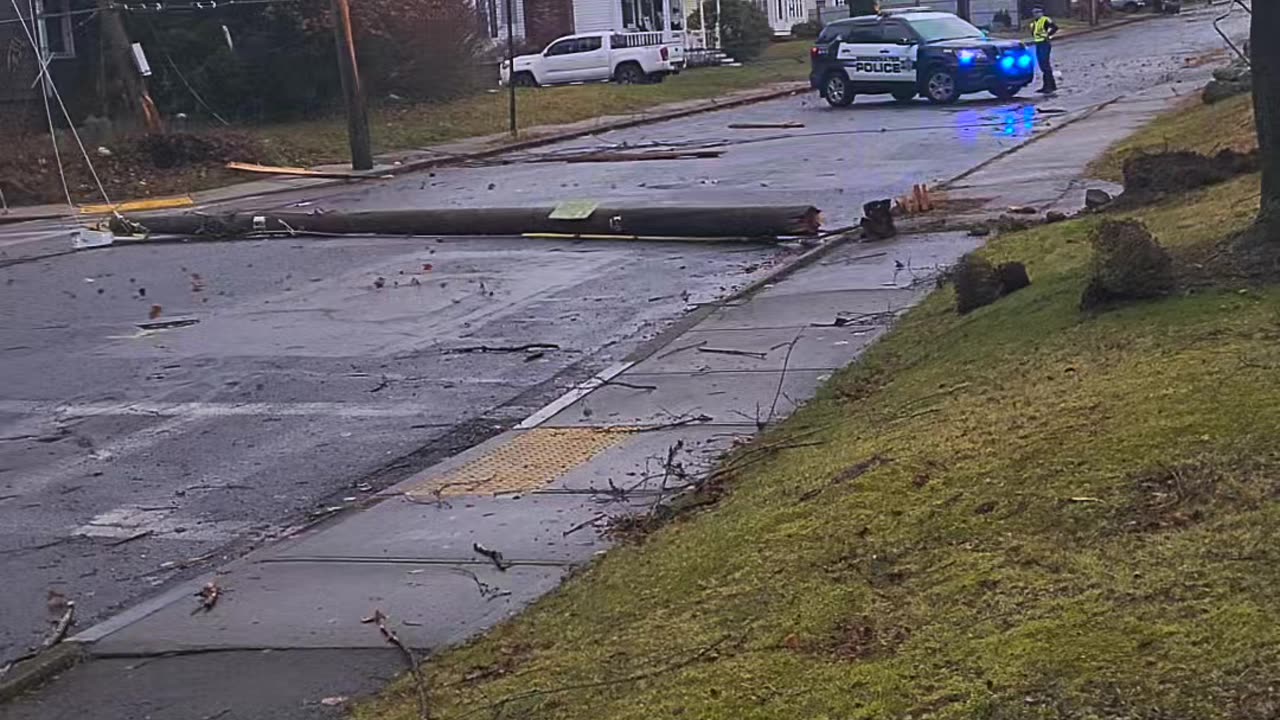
(63, 32)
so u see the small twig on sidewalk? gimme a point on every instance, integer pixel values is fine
(680, 421)
(681, 349)
(493, 555)
(380, 619)
(583, 524)
(487, 591)
(730, 351)
(620, 383)
(782, 377)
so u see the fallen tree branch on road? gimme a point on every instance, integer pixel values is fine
(749, 222)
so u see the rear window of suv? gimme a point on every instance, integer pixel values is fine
(843, 31)
(832, 31)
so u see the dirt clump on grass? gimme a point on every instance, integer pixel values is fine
(979, 283)
(862, 638)
(1128, 264)
(1148, 177)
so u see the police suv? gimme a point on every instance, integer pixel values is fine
(916, 52)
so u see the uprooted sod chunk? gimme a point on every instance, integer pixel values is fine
(1128, 264)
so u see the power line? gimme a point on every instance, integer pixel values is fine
(156, 7)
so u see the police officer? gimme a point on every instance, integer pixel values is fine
(1043, 28)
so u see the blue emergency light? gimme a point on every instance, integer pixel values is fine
(1007, 63)
(1025, 61)
(967, 57)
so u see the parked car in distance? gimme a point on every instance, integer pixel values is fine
(593, 57)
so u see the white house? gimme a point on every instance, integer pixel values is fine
(540, 21)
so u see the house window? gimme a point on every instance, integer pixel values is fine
(56, 29)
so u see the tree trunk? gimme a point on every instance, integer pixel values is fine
(1265, 56)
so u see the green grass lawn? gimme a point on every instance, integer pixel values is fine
(1206, 129)
(1025, 512)
(412, 126)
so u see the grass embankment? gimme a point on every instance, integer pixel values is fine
(1025, 512)
(412, 126)
(1205, 129)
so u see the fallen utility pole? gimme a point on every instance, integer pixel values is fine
(692, 222)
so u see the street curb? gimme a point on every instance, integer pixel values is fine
(432, 162)
(34, 672)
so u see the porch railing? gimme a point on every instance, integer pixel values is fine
(637, 39)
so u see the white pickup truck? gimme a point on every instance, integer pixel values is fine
(591, 57)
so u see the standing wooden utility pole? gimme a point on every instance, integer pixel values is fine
(352, 90)
(1093, 12)
(511, 66)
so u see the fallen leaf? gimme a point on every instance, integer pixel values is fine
(334, 701)
(155, 312)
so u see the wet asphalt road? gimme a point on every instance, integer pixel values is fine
(322, 370)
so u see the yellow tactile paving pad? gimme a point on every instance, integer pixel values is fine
(529, 461)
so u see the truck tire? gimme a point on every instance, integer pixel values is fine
(656, 78)
(837, 90)
(524, 79)
(941, 87)
(629, 73)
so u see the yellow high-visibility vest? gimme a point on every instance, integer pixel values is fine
(1040, 29)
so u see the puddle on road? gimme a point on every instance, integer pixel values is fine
(1013, 122)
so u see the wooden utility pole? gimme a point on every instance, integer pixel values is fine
(1093, 12)
(115, 45)
(511, 63)
(352, 90)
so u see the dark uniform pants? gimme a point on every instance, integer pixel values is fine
(1044, 55)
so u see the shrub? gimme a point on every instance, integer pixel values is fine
(1127, 264)
(863, 7)
(744, 31)
(281, 64)
(807, 30)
